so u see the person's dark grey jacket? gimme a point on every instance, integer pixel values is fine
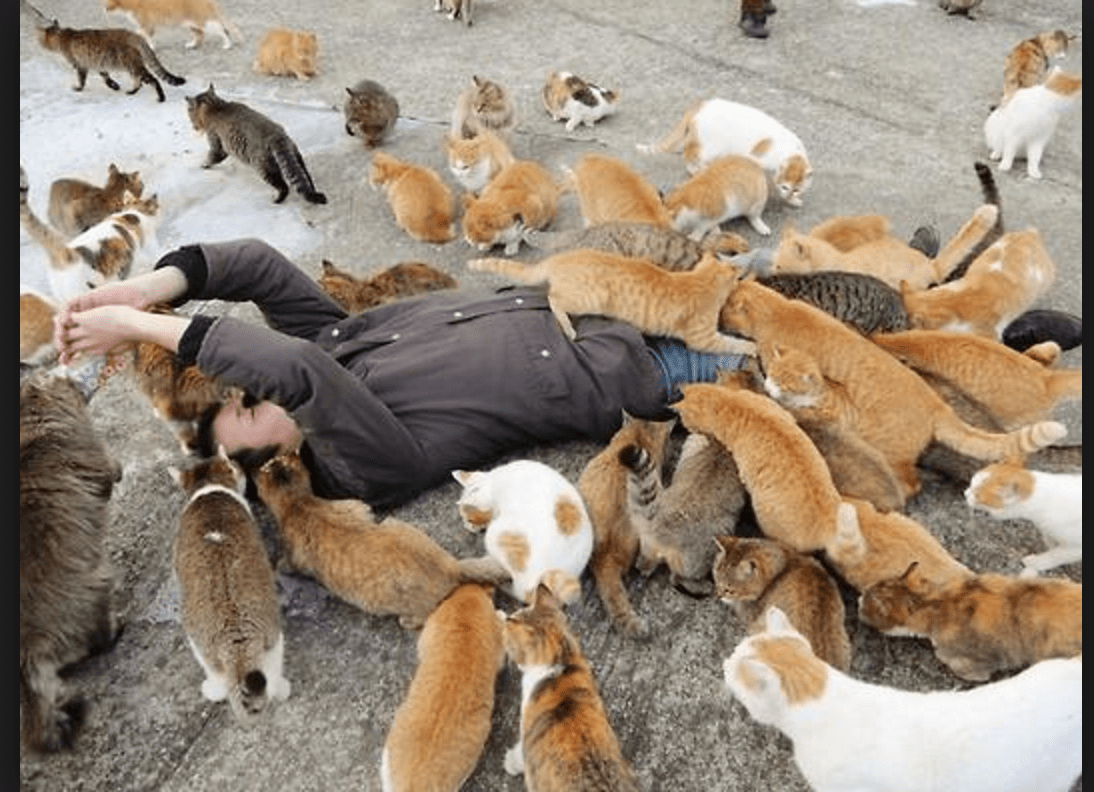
(392, 400)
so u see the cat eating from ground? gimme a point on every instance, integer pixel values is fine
(567, 97)
(370, 112)
(728, 187)
(405, 279)
(522, 196)
(288, 53)
(610, 190)
(76, 205)
(192, 14)
(422, 203)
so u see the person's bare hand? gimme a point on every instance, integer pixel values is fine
(117, 294)
(95, 331)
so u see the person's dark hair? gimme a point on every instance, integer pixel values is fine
(204, 444)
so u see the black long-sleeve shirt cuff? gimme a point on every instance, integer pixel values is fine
(192, 338)
(191, 261)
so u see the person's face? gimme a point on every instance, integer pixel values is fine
(262, 424)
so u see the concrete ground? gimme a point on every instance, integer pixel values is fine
(889, 99)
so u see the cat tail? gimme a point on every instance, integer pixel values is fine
(485, 569)
(847, 546)
(676, 137)
(54, 244)
(643, 481)
(292, 166)
(156, 67)
(513, 269)
(48, 722)
(990, 446)
(990, 190)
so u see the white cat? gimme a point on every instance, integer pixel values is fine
(536, 525)
(1025, 124)
(713, 127)
(1022, 734)
(1051, 501)
(567, 97)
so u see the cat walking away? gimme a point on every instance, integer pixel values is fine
(195, 15)
(1024, 125)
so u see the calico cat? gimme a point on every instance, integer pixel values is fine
(483, 105)
(610, 190)
(918, 741)
(728, 187)
(983, 623)
(713, 127)
(386, 567)
(567, 97)
(370, 112)
(423, 204)
(254, 139)
(76, 205)
(535, 525)
(456, 10)
(356, 294)
(523, 195)
(1053, 502)
(1024, 125)
(752, 575)
(603, 486)
(192, 14)
(474, 161)
(1039, 325)
(1000, 284)
(874, 382)
(1015, 388)
(66, 584)
(1027, 63)
(862, 301)
(682, 305)
(227, 589)
(104, 50)
(288, 53)
(676, 524)
(566, 740)
(440, 730)
(36, 313)
(769, 449)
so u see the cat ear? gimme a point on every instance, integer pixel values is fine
(543, 596)
(465, 477)
(724, 543)
(222, 453)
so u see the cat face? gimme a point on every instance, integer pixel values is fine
(742, 569)
(998, 487)
(793, 179)
(791, 377)
(891, 605)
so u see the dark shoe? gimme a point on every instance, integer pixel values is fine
(1036, 326)
(769, 7)
(753, 25)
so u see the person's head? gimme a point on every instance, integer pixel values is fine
(245, 426)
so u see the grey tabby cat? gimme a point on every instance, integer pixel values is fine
(371, 112)
(866, 303)
(234, 128)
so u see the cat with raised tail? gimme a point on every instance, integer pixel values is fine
(228, 592)
(575, 100)
(1027, 122)
(194, 15)
(919, 741)
(1053, 502)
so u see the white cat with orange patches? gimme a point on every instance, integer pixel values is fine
(1026, 123)
(536, 525)
(1019, 734)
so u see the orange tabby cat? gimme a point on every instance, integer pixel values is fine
(356, 294)
(1014, 387)
(846, 232)
(1027, 63)
(731, 186)
(753, 575)
(36, 313)
(682, 305)
(423, 204)
(567, 743)
(76, 205)
(523, 195)
(982, 623)
(999, 285)
(603, 487)
(193, 14)
(896, 411)
(440, 730)
(474, 161)
(384, 568)
(610, 190)
(288, 53)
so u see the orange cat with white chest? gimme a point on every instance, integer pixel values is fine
(423, 204)
(288, 53)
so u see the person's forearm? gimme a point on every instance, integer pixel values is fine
(162, 329)
(164, 285)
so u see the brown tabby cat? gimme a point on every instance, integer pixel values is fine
(474, 161)
(65, 581)
(603, 487)
(567, 742)
(254, 139)
(193, 14)
(440, 730)
(483, 105)
(1000, 284)
(228, 591)
(104, 50)
(371, 112)
(682, 305)
(1027, 63)
(36, 313)
(76, 205)
(523, 195)
(423, 204)
(288, 53)
(356, 294)
(983, 623)
(1016, 388)
(895, 410)
(610, 190)
(384, 568)
(731, 186)
(753, 575)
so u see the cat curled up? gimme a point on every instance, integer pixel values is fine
(730, 186)
(683, 305)
(575, 100)
(356, 294)
(566, 743)
(1052, 501)
(370, 112)
(195, 15)
(440, 729)
(422, 203)
(66, 583)
(610, 190)
(76, 205)
(254, 139)
(385, 567)
(523, 196)
(535, 525)
(1024, 126)
(475, 161)
(288, 53)
(106, 50)
(1022, 734)
(228, 592)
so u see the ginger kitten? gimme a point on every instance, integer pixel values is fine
(288, 53)
(730, 186)
(610, 190)
(522, 196)
(423, 204)
(36, 312)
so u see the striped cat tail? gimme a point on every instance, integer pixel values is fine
(990, 446)
(295, 171)
(157, 68)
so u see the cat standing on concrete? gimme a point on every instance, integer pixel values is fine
(423, 204)
(456, 10)
(66, 584)
(76, 205)
(483, 105)
(1028, 62)
(567, 97)
(918, 742)
(254, 139)
(370, 112)
(610, 190)
(228, 592)
(523, 196)
(1026, 123)
(535, 524)
(728, 187)
(356, 294)
(474, 161)
(192, 14)
(288, 53)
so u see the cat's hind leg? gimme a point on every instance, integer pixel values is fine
(107, 80)
(272, 176)
(1034, 151)
(1034, 564)
(197, 36)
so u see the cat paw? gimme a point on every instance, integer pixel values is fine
(1028, 571)
(514, 760)
(214, 689)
